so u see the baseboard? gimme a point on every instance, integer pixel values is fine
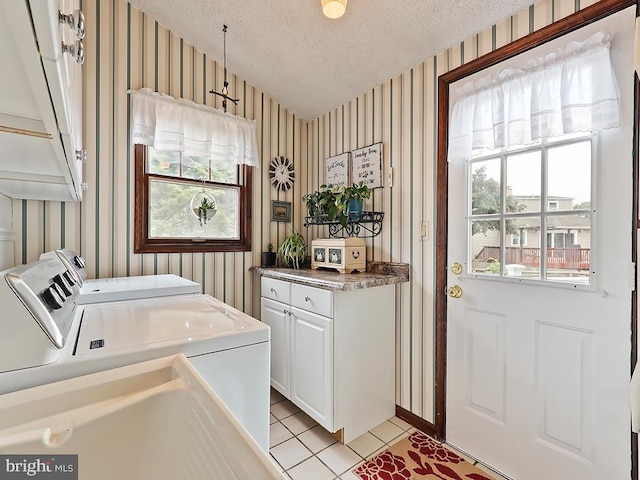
(418, 422)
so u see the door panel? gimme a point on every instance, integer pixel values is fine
(538, 357)
(275, 314)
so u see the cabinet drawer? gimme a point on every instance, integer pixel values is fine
(276, 289)
(312, 299)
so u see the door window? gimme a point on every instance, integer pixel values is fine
(530, 212)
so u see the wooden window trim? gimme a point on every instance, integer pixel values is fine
(143, 244)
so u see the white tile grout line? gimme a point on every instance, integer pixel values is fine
(362, 459)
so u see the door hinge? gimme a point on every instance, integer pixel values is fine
(632, 275)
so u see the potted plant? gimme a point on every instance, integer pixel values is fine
(321, 202)
(206, 210)
(269, 257)
(349, 202)
(293, 250)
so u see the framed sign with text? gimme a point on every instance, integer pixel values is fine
(336, 170)
(366, 165)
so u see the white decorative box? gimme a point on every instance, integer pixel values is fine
(342, 254)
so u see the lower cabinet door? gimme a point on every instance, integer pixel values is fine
(276, 315)
(312, 365)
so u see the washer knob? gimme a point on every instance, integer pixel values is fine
(53, 298)
(64, 286)
(69, 278)
(79, 261)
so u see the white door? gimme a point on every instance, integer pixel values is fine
(276, 315)
(538, 343)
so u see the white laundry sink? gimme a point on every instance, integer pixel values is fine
(156, 419)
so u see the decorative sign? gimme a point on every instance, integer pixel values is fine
(367, 165)
(336, 170)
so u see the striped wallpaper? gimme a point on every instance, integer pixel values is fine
(127, 49)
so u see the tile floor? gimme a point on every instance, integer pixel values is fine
(306, 451)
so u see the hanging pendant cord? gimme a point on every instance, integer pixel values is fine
(225, 89)
(224, 42)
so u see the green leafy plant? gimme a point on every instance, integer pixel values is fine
(346, 198)
(321, 202)
(293, 250)
(270, 248)
(205, 209)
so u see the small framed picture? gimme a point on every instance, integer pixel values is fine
(280, 211)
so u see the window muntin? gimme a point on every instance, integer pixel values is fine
(164, 220)
(530, 212)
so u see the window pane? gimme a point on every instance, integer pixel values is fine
(224, 172)
(163, 162)
(170, 214)
(523, 182)
(568, 248)
(485, 187)
(522, 253)
(569, 177)
(485, 246)
(195, 167)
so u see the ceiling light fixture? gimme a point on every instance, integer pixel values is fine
(225, 89)
(334, 8)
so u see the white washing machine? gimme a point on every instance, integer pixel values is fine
(47, 336)
(119, 288)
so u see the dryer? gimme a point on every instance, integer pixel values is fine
(119, 288)
(48, 336)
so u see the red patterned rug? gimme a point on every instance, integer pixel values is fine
(419, 457)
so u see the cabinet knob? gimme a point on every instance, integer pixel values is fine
(75, 20)
(84, 186)
(81, 155)
(307, 299)
(76, 50)
(273, 290)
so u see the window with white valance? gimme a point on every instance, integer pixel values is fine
(165, 123)
(186, 153)
(568, 91)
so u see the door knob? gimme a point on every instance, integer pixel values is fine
(455, 291)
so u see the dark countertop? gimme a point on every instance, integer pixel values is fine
(377, 274)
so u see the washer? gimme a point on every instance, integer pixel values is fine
(48, 336)
(119, 288)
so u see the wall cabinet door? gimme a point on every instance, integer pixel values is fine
(312, 365)
(276, 315)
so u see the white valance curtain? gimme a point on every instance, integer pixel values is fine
(573, 90)
(166, 123)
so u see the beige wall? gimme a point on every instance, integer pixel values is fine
(402, 114)
(121, 46)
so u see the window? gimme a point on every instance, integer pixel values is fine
(166, 182)
(515, 227)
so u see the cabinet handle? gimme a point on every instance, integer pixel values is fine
(75, 20)
(307, 299)
(81, 155)
(76, 50)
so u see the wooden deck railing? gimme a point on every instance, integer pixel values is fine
(562, 258)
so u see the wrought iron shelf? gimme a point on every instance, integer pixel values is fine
(363, 225)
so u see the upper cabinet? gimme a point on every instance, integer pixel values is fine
(41, 51)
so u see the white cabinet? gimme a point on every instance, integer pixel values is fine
(41, 152)
(276, 315)
(312, 365)
(332, 352)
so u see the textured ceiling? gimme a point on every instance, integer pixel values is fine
(310, 64)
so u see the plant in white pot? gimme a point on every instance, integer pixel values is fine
(205, 210)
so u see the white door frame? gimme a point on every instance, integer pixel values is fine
(571, 23)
